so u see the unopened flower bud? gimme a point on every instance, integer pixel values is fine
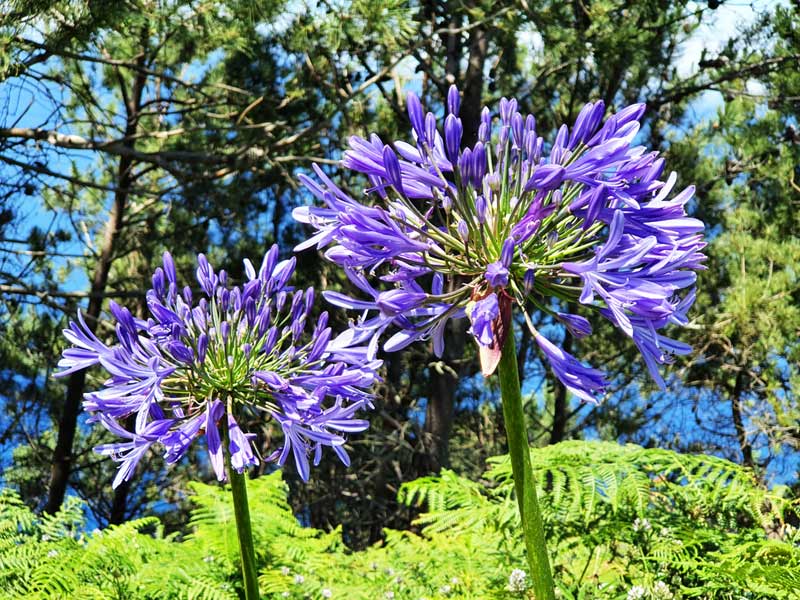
(430, 128)
(453, 100)
(480, 209)
(528, 280)
(486, 119)
(452, 137)
(463, 230)
(202, 347)
(158, 282)
(517, 130)
(530, 123)
(169, 268)
(415, 114)
(507, 109)
(507, 252)
(504, 130)
(484, 133)
(493, 181)
(465, 165)
(478, 164)
(392, 166)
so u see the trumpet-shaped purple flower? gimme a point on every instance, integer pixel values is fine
(586, 219)
(202, 368)
(482, 316)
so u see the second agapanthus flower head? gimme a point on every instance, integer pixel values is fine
(208, 361)
(469, 231)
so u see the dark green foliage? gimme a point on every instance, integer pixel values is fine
(744, 161)
(617, 516)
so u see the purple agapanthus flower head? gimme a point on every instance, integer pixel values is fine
(205, 364)
(585, 219)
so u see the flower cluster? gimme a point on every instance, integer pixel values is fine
(469, 231)
(206, 367)
(641, 524)
(517, 581)
(637, 592)
(659, 591)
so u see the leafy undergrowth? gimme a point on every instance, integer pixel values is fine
(623, 522)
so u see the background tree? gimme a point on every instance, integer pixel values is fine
(235, 98)
(744, 376)
(165, 127)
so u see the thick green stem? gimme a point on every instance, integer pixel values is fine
(241, 510)
(517, 435)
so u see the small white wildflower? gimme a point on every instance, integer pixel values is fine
(445, 589)
(326, 593)
(455, 580)
(208, 559)
(285, 571)
(517, 581)
(661, 591)
(45, 538)
(637, 592)
(52, 553)
(285, 595)
(389, 571)
(298, 579)
(389, 595)
(665, 532)
(641, 525)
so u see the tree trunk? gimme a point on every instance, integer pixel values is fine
(472, 102)
(119, 505)
(452, 41)
(560, 407)
(62, 456)
(441, 399)
(738, 421)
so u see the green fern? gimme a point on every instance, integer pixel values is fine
(616, 516)
(624, 515)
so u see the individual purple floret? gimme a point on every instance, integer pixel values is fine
(451, 230)
(205, 367)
